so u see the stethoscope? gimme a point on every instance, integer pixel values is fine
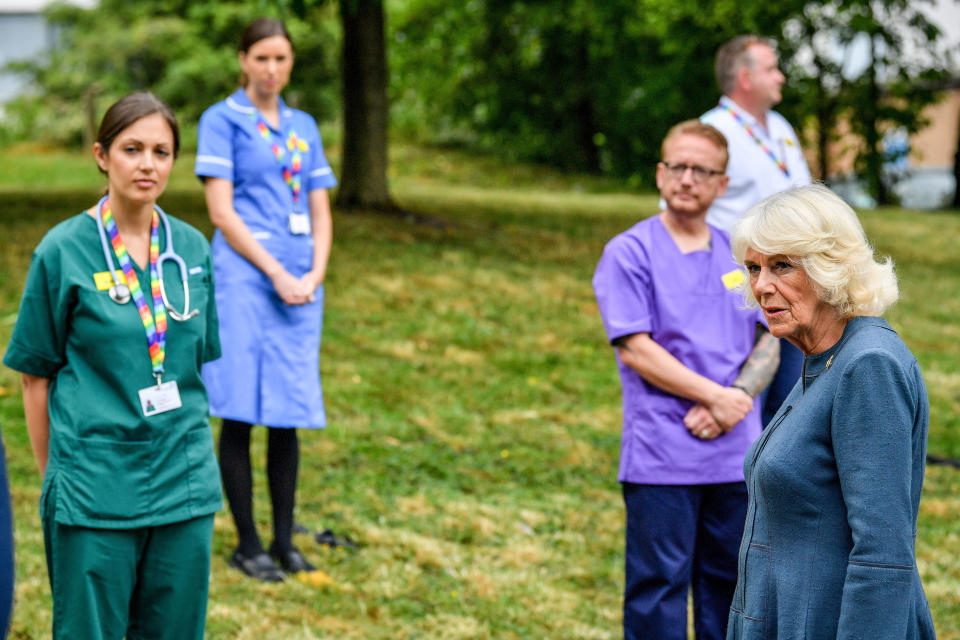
(120, 292)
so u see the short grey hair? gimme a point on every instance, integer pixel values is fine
(734, 55)
(819, 232)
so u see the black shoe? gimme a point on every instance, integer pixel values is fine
(300, 529)
(259, 567)
(328, 538)
(292, 560)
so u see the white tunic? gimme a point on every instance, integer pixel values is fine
(754, 175)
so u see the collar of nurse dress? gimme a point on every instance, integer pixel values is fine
(240, 103)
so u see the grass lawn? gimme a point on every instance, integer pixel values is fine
(474, 408)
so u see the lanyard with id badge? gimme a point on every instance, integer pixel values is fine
(291, 164)
(164, 396)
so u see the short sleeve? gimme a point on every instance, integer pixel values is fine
(319, 173)
(211, 346)
(214, 146)
(622, 286)
(872, 432)
(38, 345)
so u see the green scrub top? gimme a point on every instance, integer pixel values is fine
(111, 466)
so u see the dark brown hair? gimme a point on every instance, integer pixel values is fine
(262, 28)
(127, 110)
(258, 30)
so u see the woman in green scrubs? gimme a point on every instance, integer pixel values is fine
(110, 339)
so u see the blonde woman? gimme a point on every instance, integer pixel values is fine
(834, 480)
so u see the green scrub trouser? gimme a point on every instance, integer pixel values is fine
(149, 583)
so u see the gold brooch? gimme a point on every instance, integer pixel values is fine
(829, 362)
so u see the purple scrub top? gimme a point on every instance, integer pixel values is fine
(270, 371)
(689, 305)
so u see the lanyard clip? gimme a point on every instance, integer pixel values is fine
(158, 376)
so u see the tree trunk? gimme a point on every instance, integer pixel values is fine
(825, 117)
(363, 181)
(90, 111)
(874, 159)
(956, 171)
(585, 121)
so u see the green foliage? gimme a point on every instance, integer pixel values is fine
(577, 84)
(905, 66)
(594, 86)
(893, 90)
(185, 52)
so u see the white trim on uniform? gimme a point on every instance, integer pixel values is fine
(233, 104)
(323, 171)
(215, 160)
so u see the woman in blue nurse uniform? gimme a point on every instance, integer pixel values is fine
(266, 181)
(117, 318)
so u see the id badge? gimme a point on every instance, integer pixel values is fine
(299, 224)
(158, 399)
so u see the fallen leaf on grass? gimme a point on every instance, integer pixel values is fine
(316, 578)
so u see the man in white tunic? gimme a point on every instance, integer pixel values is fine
(765, 157)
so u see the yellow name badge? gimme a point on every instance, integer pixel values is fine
(733, 279)
(104, 281)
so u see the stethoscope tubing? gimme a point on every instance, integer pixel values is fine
(122, 295)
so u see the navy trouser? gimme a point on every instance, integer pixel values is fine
(678, 537)
(791, 366)
(6, 547)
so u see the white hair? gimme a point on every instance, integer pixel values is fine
(818, 231)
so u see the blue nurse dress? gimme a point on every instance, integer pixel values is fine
(270, 370)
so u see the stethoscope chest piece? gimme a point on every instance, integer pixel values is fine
(120, 293)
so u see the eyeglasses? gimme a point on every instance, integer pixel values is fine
(700, 174)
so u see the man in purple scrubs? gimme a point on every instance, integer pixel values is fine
(691, 362)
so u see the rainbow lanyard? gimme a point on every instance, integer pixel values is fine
(156, 333)
(294, 144)
(777, 161)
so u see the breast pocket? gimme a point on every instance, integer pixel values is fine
(199, 289)
(177, 294)
(197, 294)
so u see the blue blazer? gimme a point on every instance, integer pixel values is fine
(834, 484)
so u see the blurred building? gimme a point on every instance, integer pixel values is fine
(936, 145)
(933, 147)
(25, 34)
(919, 167)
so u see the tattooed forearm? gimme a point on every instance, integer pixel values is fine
(621, 343)
(760, 367)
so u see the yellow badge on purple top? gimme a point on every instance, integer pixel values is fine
(733, 279)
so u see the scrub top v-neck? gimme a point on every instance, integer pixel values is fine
(689, 304)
